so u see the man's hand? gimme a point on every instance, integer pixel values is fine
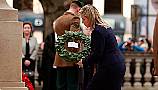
(80, 64)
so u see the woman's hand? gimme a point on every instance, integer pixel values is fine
(80, 64)
(27, 62)
(87, 31)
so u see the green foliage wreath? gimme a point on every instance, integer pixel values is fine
(71, 36)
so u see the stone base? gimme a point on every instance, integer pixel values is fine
(10, 51)
(140, 88)
(8, 14)
(12, 86)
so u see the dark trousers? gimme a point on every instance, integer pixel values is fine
(67, 78)
(49, 80)
(88, 74)
(108, 78)
(30, 68)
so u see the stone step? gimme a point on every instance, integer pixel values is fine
(140, 88)
(12, 84)
(13, 88)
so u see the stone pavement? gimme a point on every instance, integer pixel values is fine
(37, 86)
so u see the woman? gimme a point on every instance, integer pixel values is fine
(104, 52)
(29, 51)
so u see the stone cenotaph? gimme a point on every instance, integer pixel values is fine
(10, 49)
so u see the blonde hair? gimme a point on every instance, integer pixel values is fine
(93, 15)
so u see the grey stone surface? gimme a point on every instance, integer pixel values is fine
(10, 49)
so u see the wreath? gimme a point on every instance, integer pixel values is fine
(71, 36)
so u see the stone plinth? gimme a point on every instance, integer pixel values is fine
(12, 84)
(10, 49)
(7, 13)
(14, 88)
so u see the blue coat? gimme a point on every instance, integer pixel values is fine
(104, 47)
(110, 61)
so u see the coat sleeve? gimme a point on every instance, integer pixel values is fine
(34, 53)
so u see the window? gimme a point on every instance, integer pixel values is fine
(113, 6)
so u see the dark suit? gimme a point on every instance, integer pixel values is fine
(48, 72)
(109, 60)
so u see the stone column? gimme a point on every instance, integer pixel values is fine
(10, 49)
(127, 76)
(148, 75)
(137, 75)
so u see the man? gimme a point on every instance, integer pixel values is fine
(67, 72)
(48, 72)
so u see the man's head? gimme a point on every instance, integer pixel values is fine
(76, 5)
